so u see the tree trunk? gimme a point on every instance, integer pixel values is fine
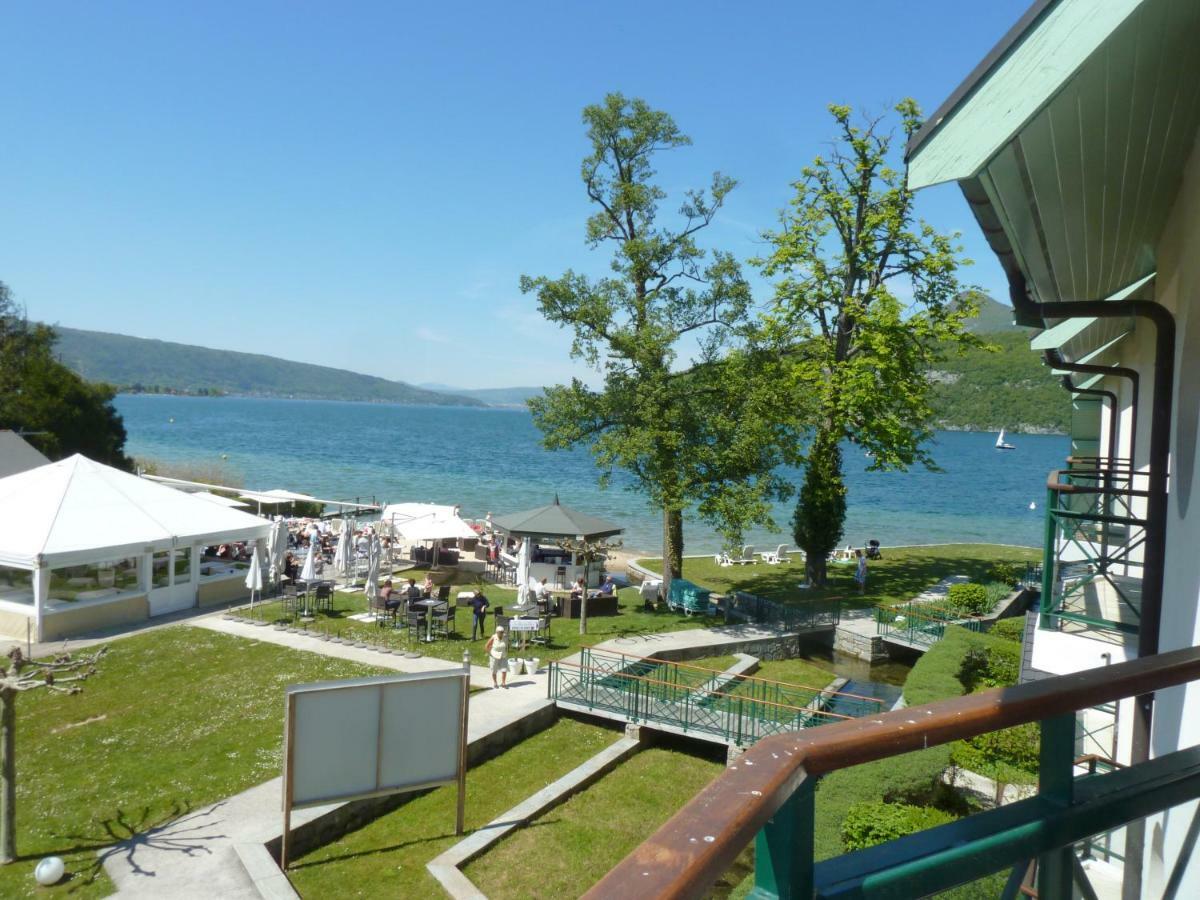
(8, 777)
(815, 569)
(672, 548)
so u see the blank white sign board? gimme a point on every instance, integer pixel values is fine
(371, 736)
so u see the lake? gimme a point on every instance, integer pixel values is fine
(490, 460)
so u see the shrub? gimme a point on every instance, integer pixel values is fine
(996, 591)
(914, 778)
(1008, 573)
(868, 824)
(993, 664)
(1010, 629)
(969, 599)
(1009, 756)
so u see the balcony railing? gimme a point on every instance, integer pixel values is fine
(1095, 534)
(768, 796)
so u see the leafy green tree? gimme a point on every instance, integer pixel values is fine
(848, 251)
(821, 506)
(681, 428)
(62, 413)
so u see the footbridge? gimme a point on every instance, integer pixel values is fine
(726, 708)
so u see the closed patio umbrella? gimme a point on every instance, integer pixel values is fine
(309, 571)
(254, 578)
(523, 569)
(277, 549)
(343, 557)
(374, 552)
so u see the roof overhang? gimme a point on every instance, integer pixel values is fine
(1070, 144)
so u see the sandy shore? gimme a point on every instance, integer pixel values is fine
(619, 559)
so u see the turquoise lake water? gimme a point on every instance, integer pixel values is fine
(490, 460)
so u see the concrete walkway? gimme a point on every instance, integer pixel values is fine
(217, 851)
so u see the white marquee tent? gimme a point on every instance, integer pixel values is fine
(77, 512)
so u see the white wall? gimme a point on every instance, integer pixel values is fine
(1176, 724)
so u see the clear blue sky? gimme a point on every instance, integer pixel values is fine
(362, 184)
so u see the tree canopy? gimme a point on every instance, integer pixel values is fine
(867, 300)
(661, 331)
(58, 411)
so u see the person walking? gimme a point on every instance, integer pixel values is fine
(860, 574)
(497, 651)
(479, 606)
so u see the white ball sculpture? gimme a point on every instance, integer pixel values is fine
(50, 870)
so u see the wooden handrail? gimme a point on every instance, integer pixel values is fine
(687, 854)
(1053, 483)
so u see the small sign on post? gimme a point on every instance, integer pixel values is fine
(370, 737)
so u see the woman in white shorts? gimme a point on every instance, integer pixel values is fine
(497, 651)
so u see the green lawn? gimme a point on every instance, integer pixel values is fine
(175, 719)
(569, 848)
(387, 857)
(633, 620)
(903, 573)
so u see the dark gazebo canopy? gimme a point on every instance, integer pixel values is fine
(555, 521)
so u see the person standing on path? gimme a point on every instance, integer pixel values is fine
(860, 575)
(479, 605)
(497, 651)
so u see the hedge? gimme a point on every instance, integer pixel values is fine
(868, 824)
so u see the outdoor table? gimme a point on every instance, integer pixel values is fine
(429, 605)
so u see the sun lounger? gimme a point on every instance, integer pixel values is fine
(778, 555)
(746, 559)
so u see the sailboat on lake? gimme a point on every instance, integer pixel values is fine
(1000, 442)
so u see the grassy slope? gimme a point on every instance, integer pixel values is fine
(902, 573)
(572, 846)
(175, 719)
(125, 361)
(387, 857)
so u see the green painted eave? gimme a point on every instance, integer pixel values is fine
(1020, 84)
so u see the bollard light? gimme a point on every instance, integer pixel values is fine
(50, 871)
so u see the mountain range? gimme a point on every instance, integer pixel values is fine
(1005, 385)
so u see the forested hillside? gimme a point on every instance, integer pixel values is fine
(1010, 388)
(138, 364)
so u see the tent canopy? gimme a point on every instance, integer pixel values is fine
(78, 511)
(426, 522)
(555, 521)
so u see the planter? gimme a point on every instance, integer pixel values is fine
(514, 667)
(533, 665)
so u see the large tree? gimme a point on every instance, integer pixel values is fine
(673, 407)
(865, 302)
(39, 396)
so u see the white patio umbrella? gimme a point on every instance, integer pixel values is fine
(277, 549)
(254, 578)
(374, 552)
(523, 569)
(343, 557)
(309, 571)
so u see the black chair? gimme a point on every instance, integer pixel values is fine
(323, 597)
(542, 635)
(414, 621)
(443, 620)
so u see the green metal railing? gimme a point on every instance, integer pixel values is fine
(734, 709)
(1092, 572)
(769, 798)
(923, 624)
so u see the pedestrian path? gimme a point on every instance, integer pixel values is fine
(217, 851)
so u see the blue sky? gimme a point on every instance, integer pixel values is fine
(362, 184)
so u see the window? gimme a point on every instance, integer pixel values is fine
(92, 581)
(183, 566)
(16, 585)
(161, 574)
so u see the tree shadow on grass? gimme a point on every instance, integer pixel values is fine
(179, 831)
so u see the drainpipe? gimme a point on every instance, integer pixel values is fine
(1154, 558)
(1054, 358)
